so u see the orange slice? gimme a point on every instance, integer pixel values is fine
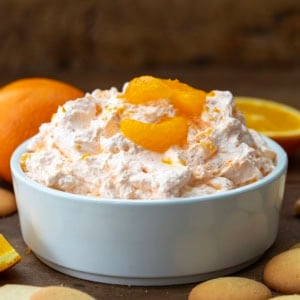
(188, 100)
(156, 137)
(273, 119)
(8, 255)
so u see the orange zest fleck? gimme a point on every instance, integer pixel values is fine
(23, 160)
(167, 161)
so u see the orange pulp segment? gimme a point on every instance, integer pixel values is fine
(273, 119)
(8, 255)
(156, 137)
(145, 88)
(188, 100)
(189, 103)
(185, 98)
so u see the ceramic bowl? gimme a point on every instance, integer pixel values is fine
(150, 242)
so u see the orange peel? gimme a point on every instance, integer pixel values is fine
(24, 105)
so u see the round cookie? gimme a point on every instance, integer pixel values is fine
(297, 208)
(287, 297)
(230, 288)
(17, 291)
(297, 245)
(60, 293)
(7, 202)
(282, 272)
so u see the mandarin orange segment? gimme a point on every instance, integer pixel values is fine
(8, 255)
(185, 98)
(188, 100)
(175, 84)
(189, 103)
(145, 88)
(156, 137)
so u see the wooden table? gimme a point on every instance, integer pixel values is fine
(280, 84)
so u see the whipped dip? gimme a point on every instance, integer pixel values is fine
(83, 151)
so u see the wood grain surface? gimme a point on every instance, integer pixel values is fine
(280, 84)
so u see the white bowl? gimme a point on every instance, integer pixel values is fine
(150, 242)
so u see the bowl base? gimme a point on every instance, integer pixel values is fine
(147, 281)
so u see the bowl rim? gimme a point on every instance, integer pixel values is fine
(279, 170)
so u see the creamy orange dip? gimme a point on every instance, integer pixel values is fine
(155, 139)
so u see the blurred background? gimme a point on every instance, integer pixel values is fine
(97, 43)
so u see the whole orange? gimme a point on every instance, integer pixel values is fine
(24, 105)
